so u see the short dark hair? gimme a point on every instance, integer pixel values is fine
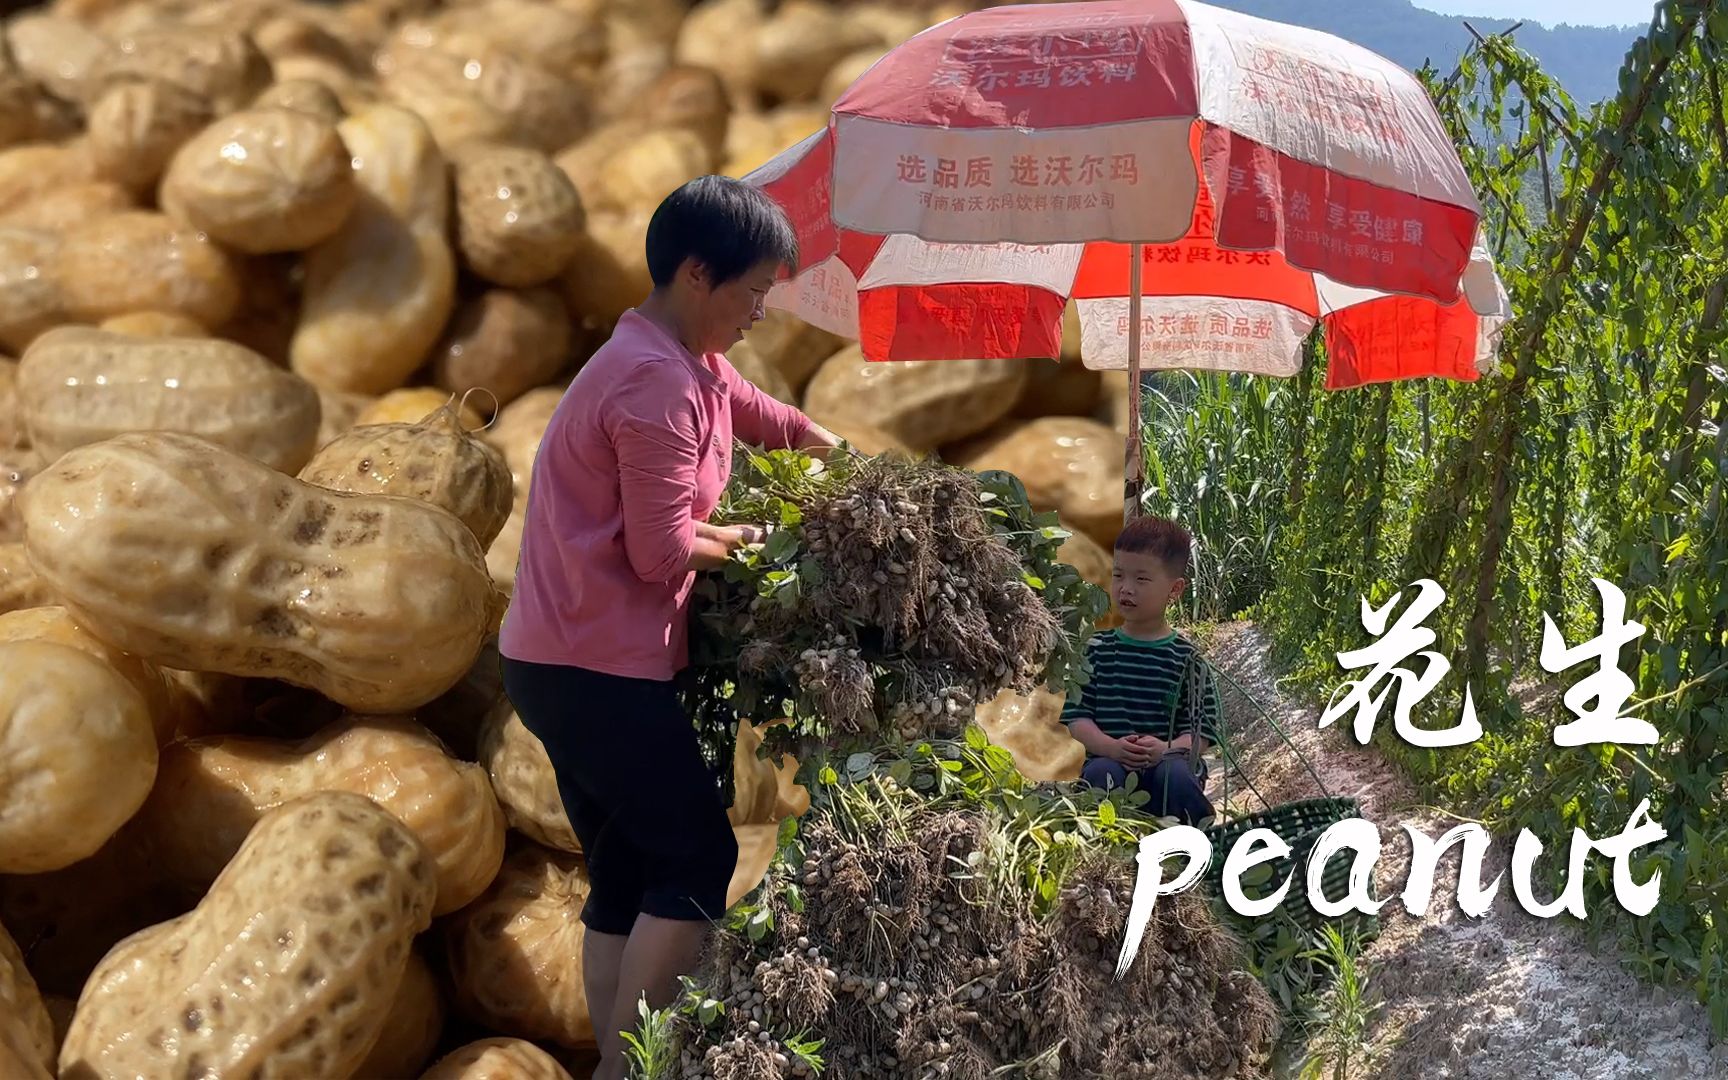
(726, 225)
(1160, 538)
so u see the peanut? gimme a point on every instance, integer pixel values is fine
(1069, 464)
(584, 160)
(57, 52)
(627, 75)
(721, 35)
(923, 405)
(470, 90)
(78, 386)
(16, 466)
(692, 98)
(62, 208)
(515, 954)
(1031, 729)
(379, 292)
(517, 433)
(506, 341)
(168, 704)
(766, 377)
(518, 217)
(12, 434)
(497, 1059)
(650, 168)
(552, 37)
(263, 180)
(220, 66)
(245, 984)
(20, 586)
(378, 602)
(412, 404)
(30, 298)
(338, 411)
(135, 128)
(302, 95)
(77, 746)
(412, 1027)
(608, 275)
(33, 168)
(210, 793)
(18, 1050)
(433, 460)
(141, 260)
(154, 324)
(523, 779)
(796, 48)
(20, 997)
(792, 346)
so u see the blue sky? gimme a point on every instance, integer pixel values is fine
(1576, 12)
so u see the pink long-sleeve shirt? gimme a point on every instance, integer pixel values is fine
(638, 450)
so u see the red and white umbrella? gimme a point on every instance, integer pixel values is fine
(1270, 177)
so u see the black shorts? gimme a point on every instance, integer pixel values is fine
(643, 802)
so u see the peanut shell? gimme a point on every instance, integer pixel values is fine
(198, 558)
(211, 792)
(434, 460)
(78, 385)
(249, 985)
(77, 747)
(518, 217)
(263, 180)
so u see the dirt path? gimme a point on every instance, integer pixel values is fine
(1504, 995)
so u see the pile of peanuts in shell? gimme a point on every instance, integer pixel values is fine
(288, 292)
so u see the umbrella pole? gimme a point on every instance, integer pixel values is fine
(1135, 471)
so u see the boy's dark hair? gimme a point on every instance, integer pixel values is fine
(1161, 538)
(726, 225)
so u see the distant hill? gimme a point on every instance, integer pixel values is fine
(1586, 59)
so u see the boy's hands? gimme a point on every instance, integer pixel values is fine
(1138, 751)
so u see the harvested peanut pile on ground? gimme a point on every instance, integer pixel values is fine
(892, 596)
(913, 928)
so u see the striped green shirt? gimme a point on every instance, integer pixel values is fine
(1138, 687)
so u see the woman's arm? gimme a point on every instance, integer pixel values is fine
(763, 421)
(654, 434)
(818, 441)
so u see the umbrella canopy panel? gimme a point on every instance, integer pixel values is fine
(1004, 162)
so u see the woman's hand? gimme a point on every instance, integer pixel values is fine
(737, 536)
(714, 544)
(731, 537)
(819, 442)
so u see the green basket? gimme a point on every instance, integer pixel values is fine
(1298, 824)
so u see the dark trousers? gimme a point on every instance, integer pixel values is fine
(1176, 792)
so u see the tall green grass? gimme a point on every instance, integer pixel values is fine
(1218, 459)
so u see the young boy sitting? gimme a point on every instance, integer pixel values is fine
(1149, 690)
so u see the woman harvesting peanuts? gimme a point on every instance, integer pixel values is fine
(631, 465)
